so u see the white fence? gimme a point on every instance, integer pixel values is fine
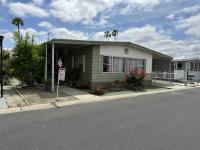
(165, 76)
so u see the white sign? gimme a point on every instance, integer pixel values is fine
(62, 74)
(60, 63)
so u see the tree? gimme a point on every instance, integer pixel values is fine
(27, 64)
(17, 22)
(115, 34)
(6, 66)
(107, 35)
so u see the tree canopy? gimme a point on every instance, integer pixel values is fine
(17, 22)
(28, 61)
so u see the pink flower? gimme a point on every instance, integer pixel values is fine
(133, 72)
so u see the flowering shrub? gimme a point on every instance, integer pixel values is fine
(135, 78)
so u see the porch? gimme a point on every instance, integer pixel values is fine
(186, 67)
(76, 58)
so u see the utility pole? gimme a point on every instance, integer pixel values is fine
(1, 45)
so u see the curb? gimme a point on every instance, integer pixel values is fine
(84, 101)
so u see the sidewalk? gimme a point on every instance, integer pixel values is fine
(12, 98)
(82, 97)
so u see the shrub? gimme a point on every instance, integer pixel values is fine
(135, 78)
(98, 91)
(28, 62)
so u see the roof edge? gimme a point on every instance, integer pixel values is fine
(93, 42)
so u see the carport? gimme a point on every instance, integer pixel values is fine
(161, 62)
(56, 49)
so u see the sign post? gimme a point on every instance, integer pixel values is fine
(61, 75)
(1, 49)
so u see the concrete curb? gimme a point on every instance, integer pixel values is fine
(84, 101)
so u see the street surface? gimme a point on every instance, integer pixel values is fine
(168, 121)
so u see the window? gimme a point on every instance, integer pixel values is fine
(140, 64)
(118, 64)
(76, 61)
(82, 63)
(72, 61)
(192, 68)
(195, 66)
(130, 64)
(107, 64)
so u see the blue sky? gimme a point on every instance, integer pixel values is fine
(168, 26)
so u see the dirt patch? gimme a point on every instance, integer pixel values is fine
(35, 95)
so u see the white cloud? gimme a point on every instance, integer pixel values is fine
(64, 33)
(8, 39)
(34, 32)
(188, 20)
(87, 10)
(102, 22)
(3, 2)
(23, 9)
(171, 16)
(45, 24)
(187, 10)
(145, 5)
(191, 9)
(38, 2)
(158, 40)
(190, 24)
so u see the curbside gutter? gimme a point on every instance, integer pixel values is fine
(86, 100)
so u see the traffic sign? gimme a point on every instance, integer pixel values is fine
(62, 74)
(60, 63)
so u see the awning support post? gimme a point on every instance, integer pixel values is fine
(52, 70)
(45, 67)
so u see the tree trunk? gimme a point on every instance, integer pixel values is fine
(18, 32)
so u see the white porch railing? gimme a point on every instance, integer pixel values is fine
(162, 76)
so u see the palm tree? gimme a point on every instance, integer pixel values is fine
(17, 22)
(107, 35)
(115, 34)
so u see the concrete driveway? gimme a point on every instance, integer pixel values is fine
(168, 121)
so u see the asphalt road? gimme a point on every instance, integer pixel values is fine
(169, 121)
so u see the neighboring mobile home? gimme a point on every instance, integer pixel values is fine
(102, 61)
(186, 67)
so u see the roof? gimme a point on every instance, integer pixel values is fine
(187, 59)
(90, 42)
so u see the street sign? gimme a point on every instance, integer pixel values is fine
(62, 74)
(60, 63)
